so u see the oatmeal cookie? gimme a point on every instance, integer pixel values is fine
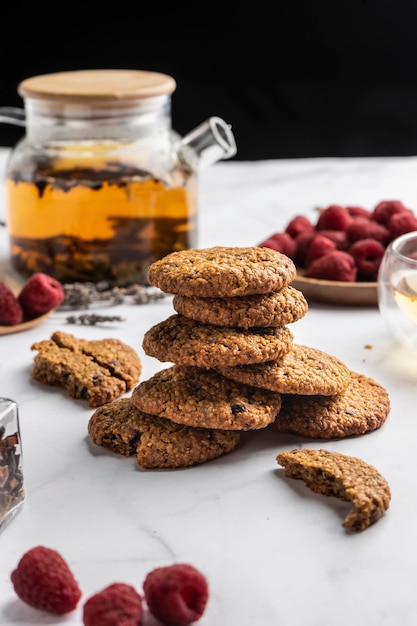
(179, 339)
(222, 272)
(157, 442)
(362, 407)
(97, 371)
(203, 398)
(271, 309)
(344, 477)
(302, 370)
(115, 426)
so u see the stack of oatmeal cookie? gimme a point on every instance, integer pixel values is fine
(232, 310)
(235, 365)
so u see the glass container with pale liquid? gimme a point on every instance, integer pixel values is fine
(101, 186)
(397, 289)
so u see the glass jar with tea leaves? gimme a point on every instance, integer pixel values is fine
(12, 489)
(101, 186)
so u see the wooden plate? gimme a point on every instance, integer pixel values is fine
(337, 292)
(17, 328)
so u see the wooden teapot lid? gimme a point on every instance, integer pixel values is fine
(87, 86)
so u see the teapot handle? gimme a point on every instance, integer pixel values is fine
(13, 115)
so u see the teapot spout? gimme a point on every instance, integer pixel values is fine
(212, 141)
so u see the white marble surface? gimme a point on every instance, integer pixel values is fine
(274, 553)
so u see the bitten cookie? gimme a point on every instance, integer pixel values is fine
(345, 477)
(157, 442)
(302, 370)
(203, 398)
(184, 341)
(362, 407)
(97, 371)
(271, 309)
(221, 272)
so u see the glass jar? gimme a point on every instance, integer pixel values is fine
(101, 186)
(12, 492)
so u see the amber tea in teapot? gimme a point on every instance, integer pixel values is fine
(104, 222)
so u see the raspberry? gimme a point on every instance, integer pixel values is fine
(337, 265)
(177, 594)
(318, 247)
(401, 223)
(297, 225)
(10, 310)
(368, 255)
(339, 237)
(334, 217)
(302, 241)
(362, 228)
(282, 242)
(117, 604)
(383, 210)
(40, 294)
(43, 580)
(358, 211)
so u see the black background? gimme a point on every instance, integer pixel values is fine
(294, 79)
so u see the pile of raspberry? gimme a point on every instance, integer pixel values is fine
(176, 595)
(346, 243)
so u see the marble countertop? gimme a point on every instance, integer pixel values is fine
(273, 551)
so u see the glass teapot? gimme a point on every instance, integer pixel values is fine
(101, 186)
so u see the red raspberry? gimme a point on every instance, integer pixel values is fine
(318, 246)
(40, 294)
(10, 310)
(362, 228)
(115, 605)
(302, 241)
(43, 580)
(297, 225)
(401, 223)
(368, 255)
(282, 242)
(177, 594)
(334, 217)
(358, 211)
(339, 237)
(337, 265)
(384, 209)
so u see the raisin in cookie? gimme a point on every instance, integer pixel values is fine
(221, 272)
(271, 309)
(97, 371)
(345, 477)
(302, 370)
(156, 442)
(362, 407)
(203, 398)
(181, 340)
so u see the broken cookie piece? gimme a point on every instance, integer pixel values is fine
(344, 477)
(97, 371)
